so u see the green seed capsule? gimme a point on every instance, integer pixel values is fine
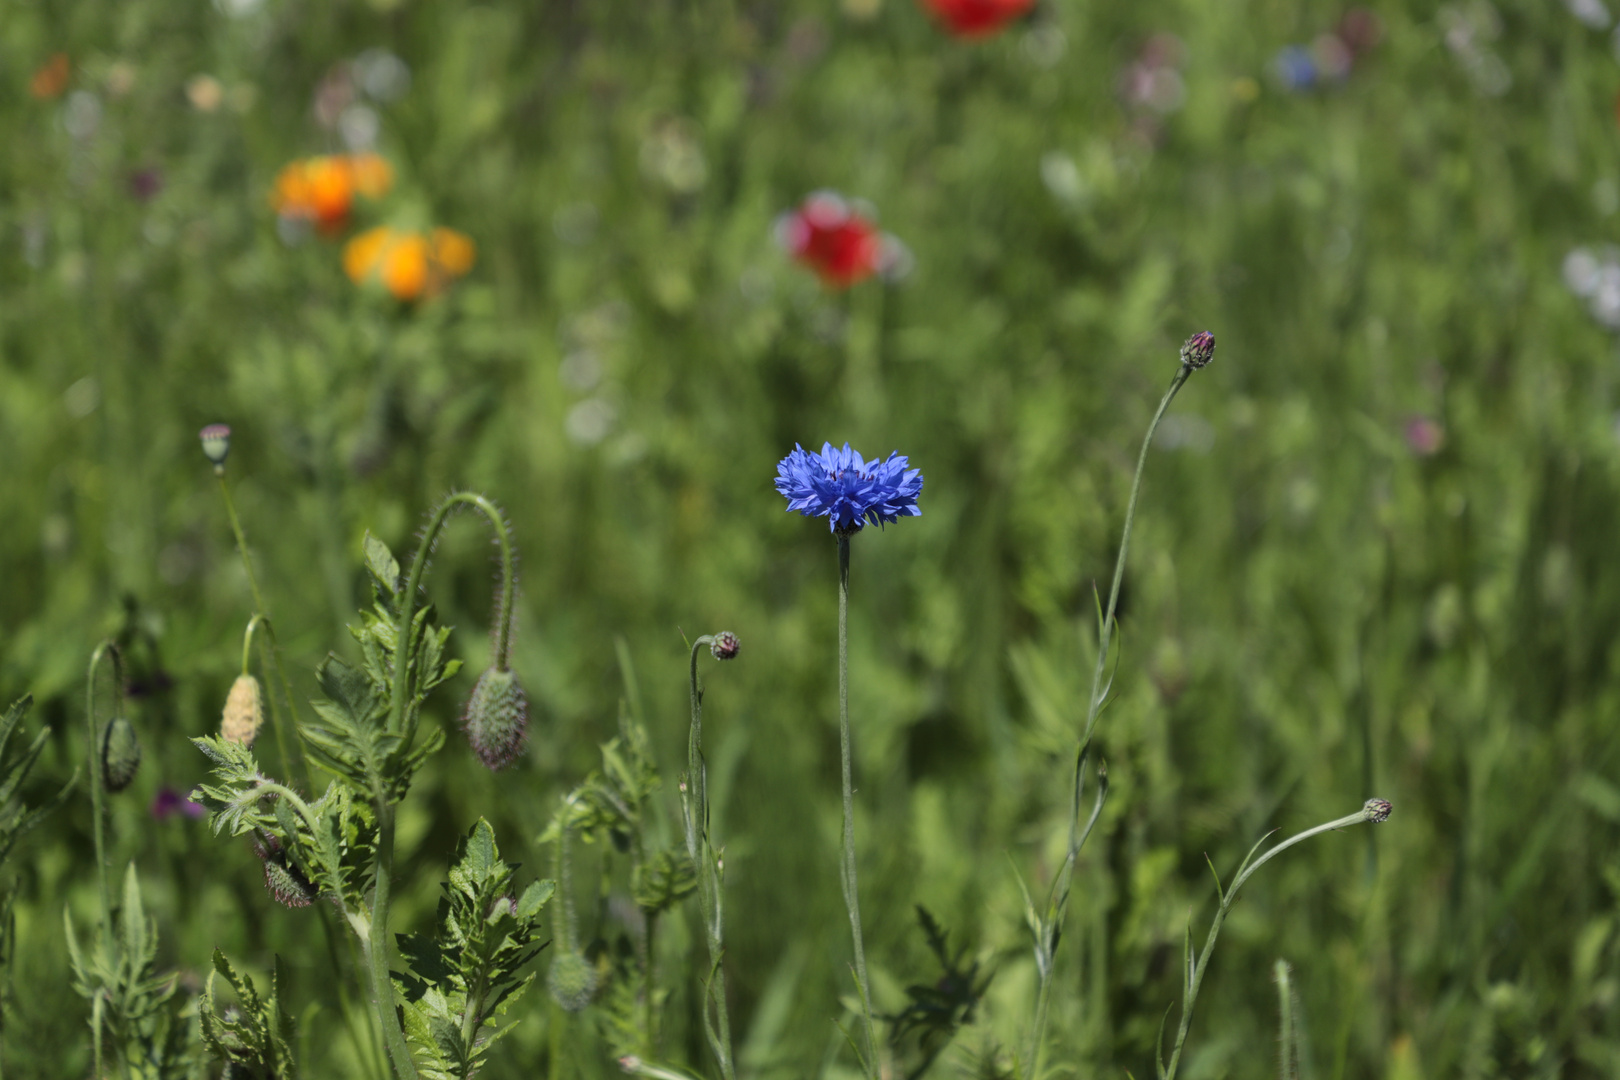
(120, 754)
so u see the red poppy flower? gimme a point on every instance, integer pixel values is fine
(976, 18)
(840, 243)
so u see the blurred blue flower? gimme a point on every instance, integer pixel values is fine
(1295, 68)
(849, 492)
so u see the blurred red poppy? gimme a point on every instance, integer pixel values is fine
(832, 239)
(976, 18)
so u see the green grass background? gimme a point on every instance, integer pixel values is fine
(1313, 613)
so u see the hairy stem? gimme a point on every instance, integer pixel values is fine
(847, 866)
(108, 650)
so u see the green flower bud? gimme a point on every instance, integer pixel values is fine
(571, 980)
(120, 754)
(497, 718)
(286, 882)
(216, 443)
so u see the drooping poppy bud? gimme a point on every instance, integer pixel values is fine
(287, 884)
(120, 754)
(497, 718)
(571, 980)
(244, 711)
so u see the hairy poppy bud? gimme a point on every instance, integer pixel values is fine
(120, 754)
(244, 712)
(724, 646)
(287, 884)
(1377, 810)
(497, 718)
(216, 443)
(571, 980)
(1199, 350)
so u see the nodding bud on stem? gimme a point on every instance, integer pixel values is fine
(287, 884)
(1199, 350)
(724, 646)
(497, 718)
(244, 712)
(120, 754)
(571, 980)
(1377, 810)
(216, 444)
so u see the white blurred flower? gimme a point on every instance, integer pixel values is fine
(382, 75)
(1593, 13)
(590, 421)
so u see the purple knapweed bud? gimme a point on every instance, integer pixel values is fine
(244, 712)
(216, 444)
(120, 754)
(287, 884)
(1377, 810)
(1199, 350)
(724, 646)
(497, 718)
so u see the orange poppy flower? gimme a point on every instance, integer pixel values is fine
(51, 78)
(409, 265)
(323, 189)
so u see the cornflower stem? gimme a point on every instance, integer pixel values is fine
(847, 866)
(1058, 898)
(1194, 971)
(402, 721)
(262, 614)
(710, 882)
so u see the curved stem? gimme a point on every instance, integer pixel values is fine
(262, 614)
(1195, 971)
(710, 884)
(847, 867)
(247, 639)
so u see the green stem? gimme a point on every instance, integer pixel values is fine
(1195, 971)
(399, 716)
(847, 867)
(247, 639)
(710, 885)
(97, 807)
(1058, 898)
(262, 613)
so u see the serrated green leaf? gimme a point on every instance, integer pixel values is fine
(383, 566)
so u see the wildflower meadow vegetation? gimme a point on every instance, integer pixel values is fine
(422, 653)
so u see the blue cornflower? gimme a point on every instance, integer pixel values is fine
(847, 491)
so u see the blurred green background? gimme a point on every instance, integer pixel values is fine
(1374, 554)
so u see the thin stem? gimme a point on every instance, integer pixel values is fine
(1057, 903)
(701, 851)
(97, 776)
(1195, 975)
(847, 867)
(263, 613)
(378, 943)
(247, 639)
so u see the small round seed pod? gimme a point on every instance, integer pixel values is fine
(120, 754)
(571, 980)
(216, 444)
(244, 712)
(496, 718)
(1377, 810)
(725, 646)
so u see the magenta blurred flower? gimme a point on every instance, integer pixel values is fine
(168, 802)
(1424, 436)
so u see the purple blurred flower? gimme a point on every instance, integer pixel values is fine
(1424, 436)
(1295, 68)
(168, 802)
(144, 184)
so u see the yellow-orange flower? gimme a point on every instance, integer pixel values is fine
(409, 265)
(51, 78)
(322, 189)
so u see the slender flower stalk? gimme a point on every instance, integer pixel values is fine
(1196, 353)
(846, 865)
(1374, 810)
(216, 442)
(108, 651)
(377, 942)
(710, 866)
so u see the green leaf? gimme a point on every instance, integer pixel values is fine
(382, 566)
